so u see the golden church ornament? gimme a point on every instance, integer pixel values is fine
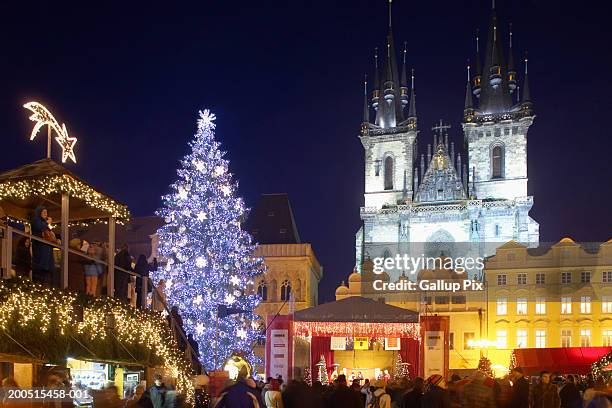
(42, 117)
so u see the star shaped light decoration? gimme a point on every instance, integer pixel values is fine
(42, 117)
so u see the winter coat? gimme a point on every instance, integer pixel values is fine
(570, 396)
(435, 397)
(122, 260)
(520, 394)
(412, 399)
(478, 395)
(158, 395)
(239, 395)
(344, 397)
(380, 399)
(42, 254)
(545, 396)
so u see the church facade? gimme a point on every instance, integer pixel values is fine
(443, 202)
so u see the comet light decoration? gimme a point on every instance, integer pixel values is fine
(42, 117)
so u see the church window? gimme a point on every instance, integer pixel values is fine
(262, 290)
(514, 130)
(285, 290)
(497, 132)
(377, 168)
(497, 158)
(506, 131)
(389, 173)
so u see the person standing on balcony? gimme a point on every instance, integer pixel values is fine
(123, 260)
(23, 258)
(43, 264)
(92, 270)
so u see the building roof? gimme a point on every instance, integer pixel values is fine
(43, 182)
(272, 222)
(357, 309)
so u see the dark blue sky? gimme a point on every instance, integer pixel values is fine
(284, 79)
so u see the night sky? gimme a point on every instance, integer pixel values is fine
(285, 80)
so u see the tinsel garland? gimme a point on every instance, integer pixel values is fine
(353, 329)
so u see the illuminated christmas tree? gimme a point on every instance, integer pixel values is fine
(307, 376)
(322, 371)
(401, 368)
(484, 365)
(209, 259)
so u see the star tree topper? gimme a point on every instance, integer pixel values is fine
(42, 117)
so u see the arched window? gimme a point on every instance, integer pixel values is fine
(262, 290)
(285, 290)
(497, 162)
(389, 173)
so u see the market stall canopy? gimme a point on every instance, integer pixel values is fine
(44, 182)
(357, 316)
(568, 360)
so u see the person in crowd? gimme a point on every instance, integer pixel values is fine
(342, 396)
(43, 263)
(366, 392)
(435, 394)
(502, 390)
(140, 399)
(569, 394)
(92, 270)
(413, 397)
(123, 260)
(158, 392)
(593, 389)
(298, 394)
(142, 268)
(545, 394)
(476, 394)
(238, 395)
(159, 296)
(273, 397)
(23, 258)
(380, 398)
(520, 389)
(355, 385)
(76, 270)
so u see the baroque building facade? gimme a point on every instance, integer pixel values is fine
(443, 202)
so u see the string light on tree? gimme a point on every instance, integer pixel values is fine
(203, 240)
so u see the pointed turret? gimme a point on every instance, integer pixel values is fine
(404, 81)
(412, 109)
(468, 106)
(376, 91)
(526, 94)
(511, 68)
(478, 73)
(366, 106)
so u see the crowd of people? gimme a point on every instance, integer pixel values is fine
(86, 274)
(477, 391)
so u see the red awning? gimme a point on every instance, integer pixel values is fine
(569, 360)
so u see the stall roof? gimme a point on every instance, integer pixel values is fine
(357, 309)
(43, 182)
(568, 360)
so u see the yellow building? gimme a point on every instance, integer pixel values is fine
(557, 296)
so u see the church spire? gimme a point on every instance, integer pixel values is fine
(478, 76)
(467, 107)
(404, 80)
(412, 109)
(511, 68)
(366, 106)
(526, 93)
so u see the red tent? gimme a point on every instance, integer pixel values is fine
(569, 360)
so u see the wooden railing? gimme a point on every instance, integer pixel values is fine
(6, 265)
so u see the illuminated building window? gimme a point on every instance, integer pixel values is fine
(521, 306)
(607, 277)
(502, 339)
(585, 337)
(468, 337)
(585, 277)
(451, 341)
(540, 306)
(585, 304)
(521, 338)
(540, 279)
(502, 306)
(501, 280)
(262, 290)
(285, 290)
(606, 304)
(566, 305)
(566, 338)
(606, 337)
(566, 277)
(521, 279)
(540, 338)
(389, 173)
